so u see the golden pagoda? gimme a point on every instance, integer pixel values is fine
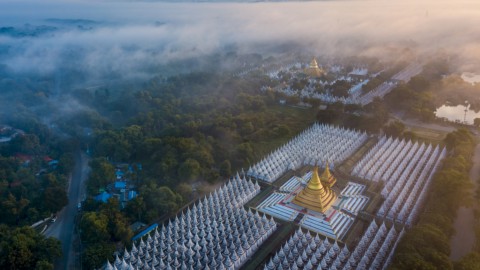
(316, 196)
(327, 178)
(313, 69)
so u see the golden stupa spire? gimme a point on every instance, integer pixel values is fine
(315, 196)
(327, 178)
(315, 183)
(313, 63)
(313, 69)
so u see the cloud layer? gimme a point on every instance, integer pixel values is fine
(130, 36)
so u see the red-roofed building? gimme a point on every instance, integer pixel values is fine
(25, 159)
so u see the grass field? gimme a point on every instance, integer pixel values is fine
(428, 134)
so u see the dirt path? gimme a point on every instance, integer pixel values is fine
(463, 240)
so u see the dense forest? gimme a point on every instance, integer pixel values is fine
(34, 170)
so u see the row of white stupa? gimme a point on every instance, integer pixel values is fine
(355, 96)
(407, 73)
(304, 251)
(380, 91)
(275, 73)
(407, 169)
(311, 147)
(216, 233)
(309, 91)
(356, 90)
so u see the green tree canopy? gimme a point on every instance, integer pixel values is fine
(225, 168)
(25, 248)
(54, 198)
(94, 227)
(102, 173)
(161, 201)
(189, 169)
(476, 122)
(96, 255)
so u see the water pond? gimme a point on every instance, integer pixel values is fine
(471, 77)
(457, 114)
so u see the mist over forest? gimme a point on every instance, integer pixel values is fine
(181, 95)
(52, 47)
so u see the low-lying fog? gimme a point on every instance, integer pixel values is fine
(126, 37)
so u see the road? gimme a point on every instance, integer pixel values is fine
(463, 240)
(63, 228)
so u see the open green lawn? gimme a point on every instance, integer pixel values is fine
(428, 134)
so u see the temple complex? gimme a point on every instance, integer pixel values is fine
(314, 70)
(318, 194)
(352, 221)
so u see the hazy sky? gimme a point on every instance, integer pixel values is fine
(127, 37)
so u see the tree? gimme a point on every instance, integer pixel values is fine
(247, 128)
(136, 208)
(12, 209)
(293, 100)
(27, 143)
(282, 131)
(54, 199)
(117, 226)
(102, 174)
(97, 255)
(469, 262)
(25, 248)
(340, 88)
(160, 200)
(409, 135)
(189, 170)
(94, 227)
(225, 168)
(113, 144)
(328, 116)
(454, 138)
(476, 122)
(185, 190)
(44, 265)
(419, 83)
(245, 151)
(394, 129)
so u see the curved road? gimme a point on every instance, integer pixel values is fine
(63, 228)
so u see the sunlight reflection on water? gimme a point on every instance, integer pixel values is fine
(457, 113)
